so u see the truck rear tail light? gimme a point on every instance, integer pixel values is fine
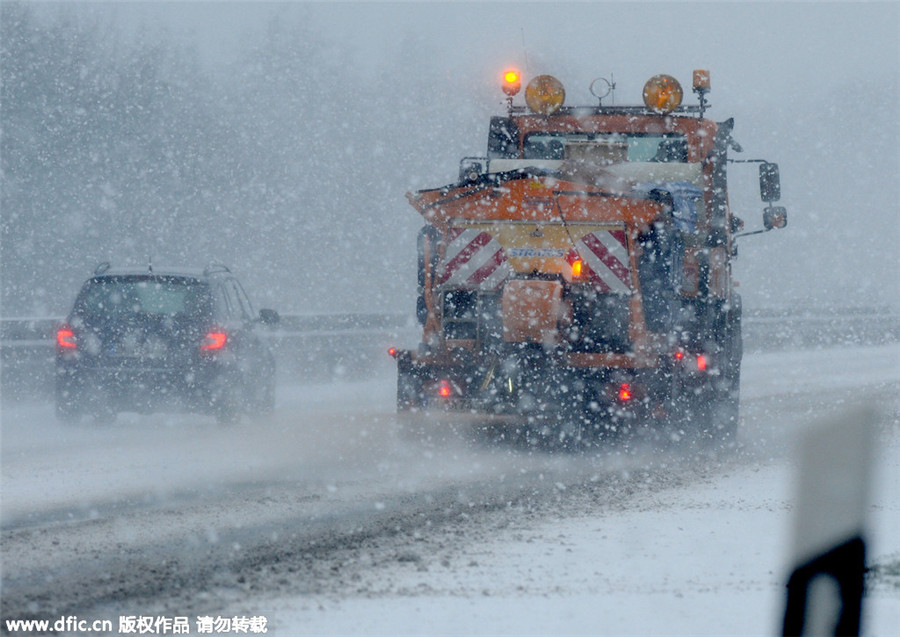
(625, 394)
(214, 340)
(576, 263)
(576, 268)
(65, 338)
(701, 362)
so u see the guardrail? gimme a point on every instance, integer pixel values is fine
(326, 347)
(777, 329)
(308, 348)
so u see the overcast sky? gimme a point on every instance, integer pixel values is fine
(812, 85)
(768, 45)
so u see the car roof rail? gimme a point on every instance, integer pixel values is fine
(102, 267)
(215, 267)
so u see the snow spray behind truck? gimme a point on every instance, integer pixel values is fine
(578, 277)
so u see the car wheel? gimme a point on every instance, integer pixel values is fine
(227, 415)
(104, 415)
(99, 406)
(226, 402)
(266, 403)
(67, 410)
(69, 401)
(226, 407)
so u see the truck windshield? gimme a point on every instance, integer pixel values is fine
(634, 147)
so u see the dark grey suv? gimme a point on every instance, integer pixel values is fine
(161, 340)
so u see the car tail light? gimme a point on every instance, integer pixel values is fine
(625, 393)
(701, 362)
(65, 338)
(213, 340)
(392, 352)
(444, 389)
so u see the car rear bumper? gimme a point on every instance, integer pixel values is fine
(144, 388)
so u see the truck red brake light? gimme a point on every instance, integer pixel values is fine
(701, 362)
(213, 340)
(65, 338)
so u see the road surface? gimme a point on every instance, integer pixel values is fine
(333, 509)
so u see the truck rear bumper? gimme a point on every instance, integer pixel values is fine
(608, 386)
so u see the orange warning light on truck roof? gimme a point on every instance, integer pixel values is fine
(512, 82)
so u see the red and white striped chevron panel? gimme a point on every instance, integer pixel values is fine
(474, 259)
(605, 253)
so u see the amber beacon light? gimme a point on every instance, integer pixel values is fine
(545, 94)
(512, 82)
(701, 81)
(662, 94)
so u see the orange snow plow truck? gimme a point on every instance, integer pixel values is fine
(578, 277)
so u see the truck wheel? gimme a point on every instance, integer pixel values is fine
(726, 413)
(409, 389)
(571, 433)
(728, 392)
(691, 416)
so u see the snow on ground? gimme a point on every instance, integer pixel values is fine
(49, 465)
(709, 560)
(704, 559)
(817, 370)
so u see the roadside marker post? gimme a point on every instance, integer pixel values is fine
(828, 552)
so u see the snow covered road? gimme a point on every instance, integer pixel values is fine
(333, 516)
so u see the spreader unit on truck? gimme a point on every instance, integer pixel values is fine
(579, 276)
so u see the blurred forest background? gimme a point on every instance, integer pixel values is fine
(287, 168)
(289, 161)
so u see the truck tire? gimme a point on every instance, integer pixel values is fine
(409, 388)
(728, 398)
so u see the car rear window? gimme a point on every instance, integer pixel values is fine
(111, 297)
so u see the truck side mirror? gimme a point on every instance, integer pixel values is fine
(775, 217)
(471, 168)
(769, 182)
